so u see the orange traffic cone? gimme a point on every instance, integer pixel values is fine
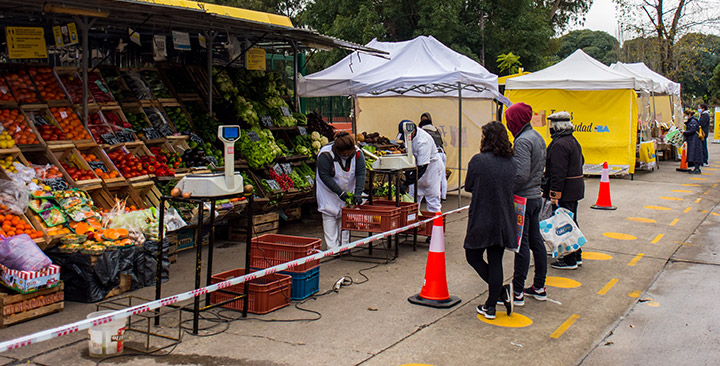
(603, 201)
(683, 162)
(434, 291)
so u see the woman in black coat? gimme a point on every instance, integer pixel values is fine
(695, 155)
(491, 219)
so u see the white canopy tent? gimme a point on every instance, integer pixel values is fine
(414, 70)
(666, 93)
(672, 88)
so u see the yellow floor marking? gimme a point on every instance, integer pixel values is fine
(595, 256)
(704, 211)
(608, 286)
(657, 238)
(635, 294)
(641, 219)
(711, 169)
(562, 282)
(691, 185)
(696, 178)
(674, 222)
(671, 198)
(562, 328)
(707, 174)
(714, 185)
(503, 320)
(706, 192)
(636, 259)
(715, 214)
(698, 200)
(687, 210)
(654, 304)
(661, 208)
(620, 236)
(681, 191)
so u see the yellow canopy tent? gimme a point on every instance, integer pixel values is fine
(603, 104)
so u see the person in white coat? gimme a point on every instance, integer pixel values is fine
(340, 171)
(426, 123)
(429, 165)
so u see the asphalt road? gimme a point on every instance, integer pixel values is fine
(644, 295)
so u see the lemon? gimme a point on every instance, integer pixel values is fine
(46, 188)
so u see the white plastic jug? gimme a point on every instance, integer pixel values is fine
(107, 338)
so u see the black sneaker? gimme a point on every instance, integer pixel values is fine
(489, 313)
(560, 264)
(538, 294)
(519, 299)
(507, 298)
(579, 262)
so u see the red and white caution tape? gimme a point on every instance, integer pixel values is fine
(152, 305)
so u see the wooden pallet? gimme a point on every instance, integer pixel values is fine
(268, 223)
(17, 308)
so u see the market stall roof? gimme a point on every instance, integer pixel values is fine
(577, 72)
(502, 80)
(179, 15)
(644, 83)
(419, 67)
(640, 68)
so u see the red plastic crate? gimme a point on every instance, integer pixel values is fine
(371, 219)
(272, 249)
(408, 213)
(267, 293)
(427, 229)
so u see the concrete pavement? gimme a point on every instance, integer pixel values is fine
(373, 324)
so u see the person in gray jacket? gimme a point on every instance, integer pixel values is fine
(529, 160)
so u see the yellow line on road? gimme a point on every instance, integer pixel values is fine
(714, 185)
(691, 185)
(641, 219)
(636, 259)
(698, 200)
(657, 238)
(661, 208)
(671, 198)
(694, 178)
(687, 209)
(562, 328)
(674, 222)
(608, 286)
(706, 192)
(681, 191)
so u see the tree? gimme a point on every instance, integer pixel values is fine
(562, 13)
(697, 55)
(667, 20)
(641, 49)
(714, 85)
(509, 62)
(598, 44)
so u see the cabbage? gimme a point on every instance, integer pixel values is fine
(315, 136)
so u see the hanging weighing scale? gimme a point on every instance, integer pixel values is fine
(398, 161)
(217, 184)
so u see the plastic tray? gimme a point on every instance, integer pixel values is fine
(371, 219)
(409, 213)
(272, 249)
(304, 284)
(267, 293)
(427, 229)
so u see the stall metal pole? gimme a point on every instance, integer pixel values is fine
(158, 267)
(85, 29)
(211, 244)
(654, 112)
(248, 242)
(296, 98)
(460, 142)
(209, 37)
(198, 265)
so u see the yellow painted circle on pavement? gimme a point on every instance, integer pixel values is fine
(562, 282)
(620, 236)
(635, 294)
(671, 198)
(654, 304)
(715, 214)
(595, 256)
(641, 219)
(503, 320)
(661, 208)
(681, 191)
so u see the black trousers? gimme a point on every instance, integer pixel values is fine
(572, 206)
(705, 149)
(490, 271)
(531, 241)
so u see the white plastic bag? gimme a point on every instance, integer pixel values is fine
(561, 234)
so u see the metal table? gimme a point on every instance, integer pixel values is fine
(200, 201)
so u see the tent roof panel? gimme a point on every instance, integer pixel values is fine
(642, 69)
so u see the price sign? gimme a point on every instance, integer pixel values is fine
(287, 169)
(278, 169)
(110, 138)
(196, 138)
(166, 130)
(3, 89)
(303, 130)
(267, 121)
(125, 136)
(39, 120)
(310, 180)
(63, 114)
(97, 165)
(101, 86)
(151, 133)
(212, 160)
(253, 136)
(286, 111)
(57, 184)
(273, 184)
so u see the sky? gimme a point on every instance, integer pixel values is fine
(602, 16)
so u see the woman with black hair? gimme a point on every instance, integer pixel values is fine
(491, 219)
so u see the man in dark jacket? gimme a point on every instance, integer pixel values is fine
(705, 125)
(694, 154)
(564, 176)
(529, 161)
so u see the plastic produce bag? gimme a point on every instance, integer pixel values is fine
(173, 221)
(546, 210)
(21, 253)
(14, 195)
(561, 234)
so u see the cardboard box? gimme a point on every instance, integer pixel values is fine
(30, 281)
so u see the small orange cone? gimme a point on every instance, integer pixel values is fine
(434, 291)
(683, 162)
(604, 202)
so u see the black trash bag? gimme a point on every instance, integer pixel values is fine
(146, 273)
(127, 257)
(85, 282)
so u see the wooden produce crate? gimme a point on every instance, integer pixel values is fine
(137, 149)
(69, 158)
(100, 131)
(39, 116)
(268, 223)
(123, 130)
(21, 129)
(199, 76)
(98, 159)
(148, 193)
(36, 221)
(179, 117)
(72, 125)
(47, 169)
(49, 86)
(179, 82)
(106, 199)
(72, 85)
(115, 83)
(17, 307)
(14, 155)
(7, 99)
(154, 81)
(136, 84)
(20, 83)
